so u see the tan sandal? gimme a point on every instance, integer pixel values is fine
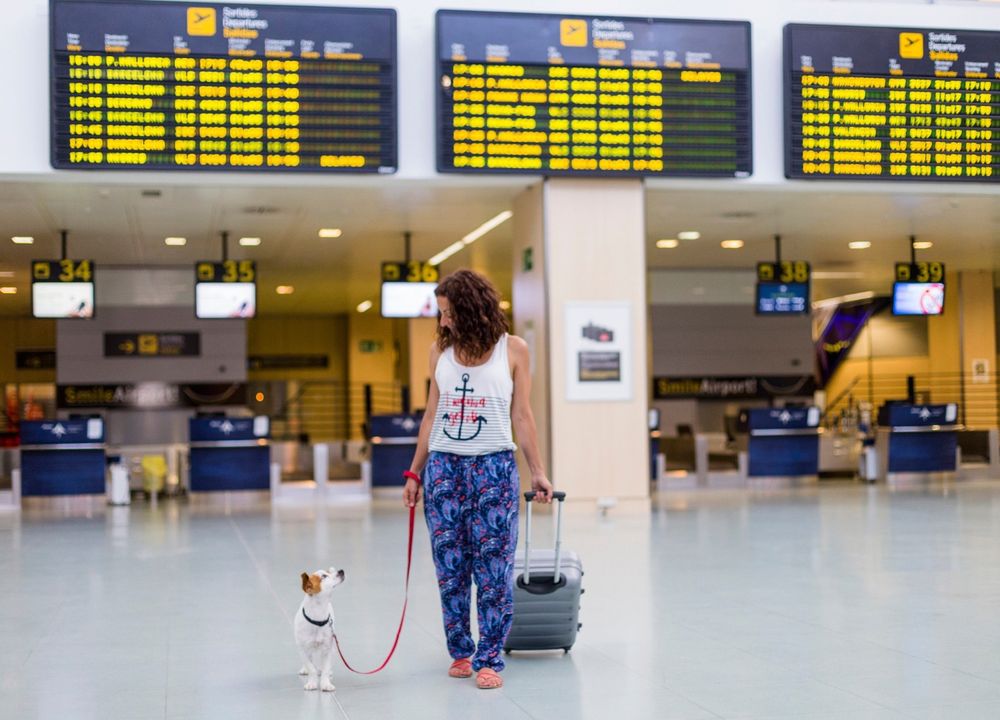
(488, 679)
(461, 668)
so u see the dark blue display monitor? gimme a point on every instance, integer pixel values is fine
(776, 298)
(912, 298)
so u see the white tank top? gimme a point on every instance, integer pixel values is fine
(473, 412)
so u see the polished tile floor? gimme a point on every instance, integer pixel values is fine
(832, 603)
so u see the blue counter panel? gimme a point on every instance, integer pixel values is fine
(389, 462)
(922, 452)
(781, 418)
(62, 432)
(238, 468)
(783, 456)
(213, 429)
(902, 414)
(391, 458)
(62, 472)
(394, 426)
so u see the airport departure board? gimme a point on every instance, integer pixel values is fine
(575, 95)
(169, 85)
(892, 103)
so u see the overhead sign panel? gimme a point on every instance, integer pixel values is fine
(880, 103)
(582, 95)
(62, 288)
(167, 85)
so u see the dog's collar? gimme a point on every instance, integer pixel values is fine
(316, 622)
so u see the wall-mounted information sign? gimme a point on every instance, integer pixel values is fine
(783, 287)
(225, 289)
(919, 288)
(410, 271)
(227, 271)
(785, 271)
(168, 85)
(408, 289)
(152, 344)
(62, 288)
(773, 298)
(917, 298)
(578, 95)
(891, 103)
(920, 272)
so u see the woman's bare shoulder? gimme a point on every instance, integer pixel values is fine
(517, 343)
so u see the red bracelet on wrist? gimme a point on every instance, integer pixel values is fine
(412, 476)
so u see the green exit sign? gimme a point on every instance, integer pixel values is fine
(528, 260)
(370, 346)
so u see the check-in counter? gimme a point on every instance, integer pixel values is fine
(62, 457)
(783, 442)
(916, 442)
(394, 440)
(229, 454)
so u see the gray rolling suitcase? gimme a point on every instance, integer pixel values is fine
(546, 592)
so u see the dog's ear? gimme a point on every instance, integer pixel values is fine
(306, 587)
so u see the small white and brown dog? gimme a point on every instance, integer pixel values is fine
(314, 627)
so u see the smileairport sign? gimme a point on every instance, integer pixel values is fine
(732, 388)
(150, 395)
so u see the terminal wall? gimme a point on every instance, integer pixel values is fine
(276, 335)
(80, 348)
(22, 333)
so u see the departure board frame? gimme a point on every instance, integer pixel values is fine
(387, 111)
(909, 152)
(742, 145)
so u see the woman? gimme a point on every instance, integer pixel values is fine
(480, 385)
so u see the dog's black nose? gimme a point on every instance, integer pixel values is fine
(340, 574)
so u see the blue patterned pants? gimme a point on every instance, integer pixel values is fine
(471, 504)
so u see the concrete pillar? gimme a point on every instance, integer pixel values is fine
(579, 258)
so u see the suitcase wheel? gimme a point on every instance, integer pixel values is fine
(566, 650)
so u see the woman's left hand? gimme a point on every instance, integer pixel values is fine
(542, 487)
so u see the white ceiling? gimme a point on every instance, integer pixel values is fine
(115, 224)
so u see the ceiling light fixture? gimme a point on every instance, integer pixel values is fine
(22, 240)
(859, 245)
(8, 290)
(330, 232)
(175, 241)
(923, 245)
(471, 237)
(689, 235)
(364, 306)
(505, 304)
(249, 241)
(667, 243)
(731, 244)
(284, 289)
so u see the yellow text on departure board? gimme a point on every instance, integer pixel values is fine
(539, 118)
(936, 128)
(209, 112)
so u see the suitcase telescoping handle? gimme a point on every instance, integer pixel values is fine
(529, 497)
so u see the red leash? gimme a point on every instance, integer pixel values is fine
(406, 599)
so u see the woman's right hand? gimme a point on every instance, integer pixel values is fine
(411, 493)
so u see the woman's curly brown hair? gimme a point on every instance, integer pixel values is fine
(476, 315)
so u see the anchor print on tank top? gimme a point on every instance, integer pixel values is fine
(473, 417)
(473, 411)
